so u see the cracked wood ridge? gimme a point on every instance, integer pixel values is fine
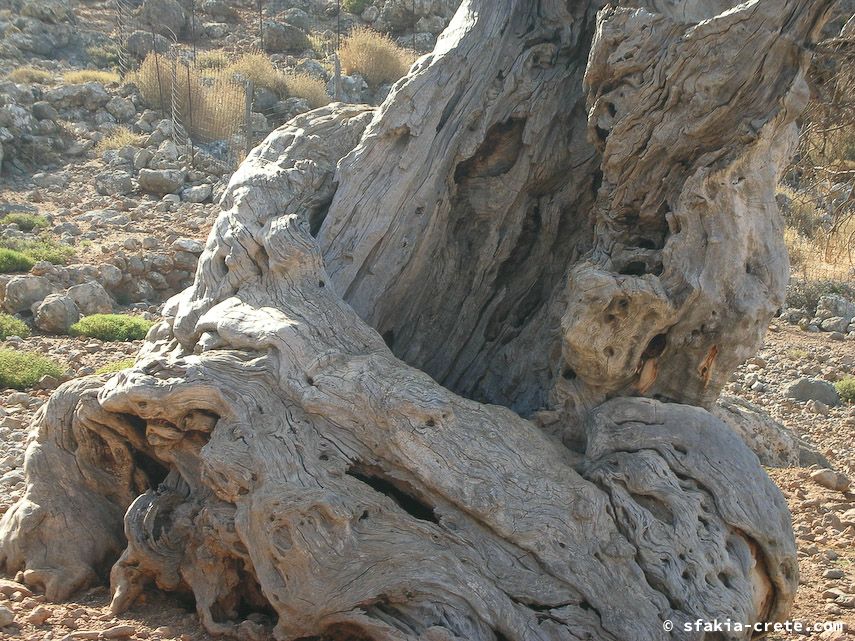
(445, 367)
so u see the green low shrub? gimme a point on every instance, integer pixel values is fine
(355, 6)
(24, 221)
(41, 248)
(12, 261)
(846, 388)
(117, 366)
(11, 326)
(112, 327)
(21, 370)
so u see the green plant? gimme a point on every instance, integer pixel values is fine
(11, 326)
(846, 388)
(25, 222)
(90, 75)
(103, 55)
(376, 57)
(115, 366)
(111, 327)
(355, 6)
(12, 261)
(120, 137)
(39, 248)
(30, 75)
(805, 294)
(797, 354)
(21, 370)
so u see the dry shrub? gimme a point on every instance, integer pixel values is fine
(211, 106)
(258, 69)
(30, 75)
(800, 249)
(313, 90)
(90, 75)
(120, 137)
(212, 60)
(219, 107)
(376, 57)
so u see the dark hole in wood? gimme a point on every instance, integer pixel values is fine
(596, 182)
(389, 338)
(635, 268)
(404, 499)
(154, 470)
(656, 346)
(568, 374)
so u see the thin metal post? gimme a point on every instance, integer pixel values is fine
(190, 119)
(193, 27)
(336, 57)
(157, 70)
(248, 114)
(260, 26)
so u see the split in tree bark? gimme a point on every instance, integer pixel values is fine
(559, 209)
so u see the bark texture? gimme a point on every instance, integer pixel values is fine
(351, 426)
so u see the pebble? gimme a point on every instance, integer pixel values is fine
(7, 617)
(830, 479)
(38, 616)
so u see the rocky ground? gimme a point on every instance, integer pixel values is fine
(134, 219)
(824, 519)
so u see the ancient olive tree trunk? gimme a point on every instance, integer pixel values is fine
(565, 211)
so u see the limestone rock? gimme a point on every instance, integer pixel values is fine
(813, 389)
(161, 181)
(22, 291)
(282, 37)
(91, 298)
(56, 314)
(831, 479)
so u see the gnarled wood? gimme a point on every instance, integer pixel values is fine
(556, 210)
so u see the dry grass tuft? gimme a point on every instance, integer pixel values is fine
(210, 106)
(30, 75)
(313, 90)
(376, 57)
(258, 69)
(90, 75)
(121, 137)
(212, 60)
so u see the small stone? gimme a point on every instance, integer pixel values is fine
(38, 616)
(47, 382)
(833, 574)
(830, 479)
(161, 181)
(813, 389)
(7, 617)
(818, 407)
(118, 632)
